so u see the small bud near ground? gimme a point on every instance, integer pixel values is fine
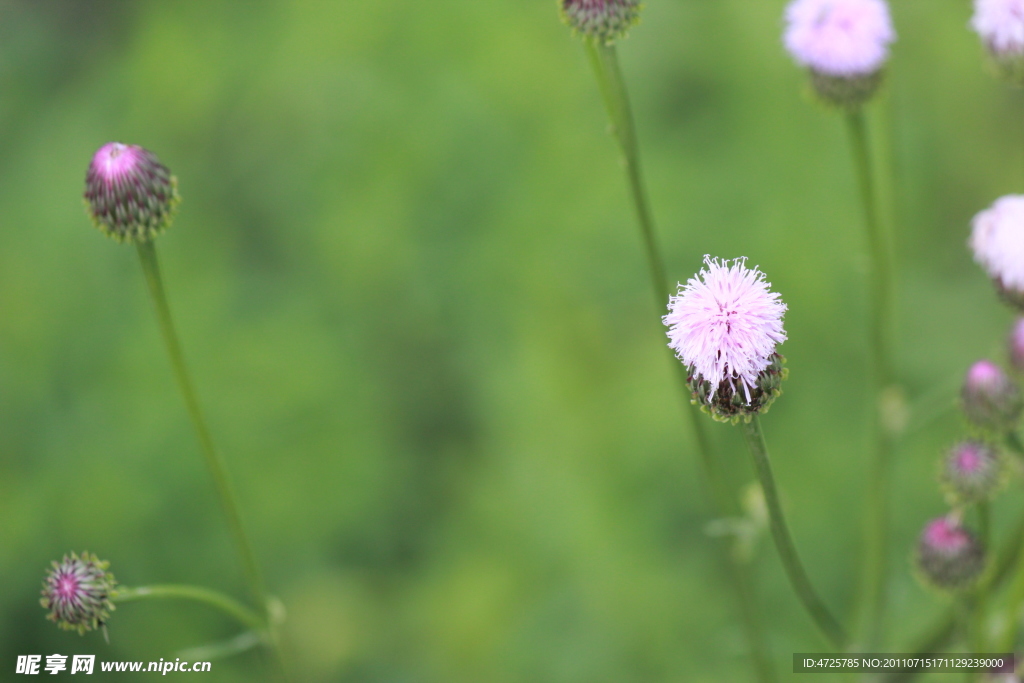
(129, 195)
(78, 592)
(603, 21)
(990, 399)
(972, 471)
(843, 44)
(948, 555)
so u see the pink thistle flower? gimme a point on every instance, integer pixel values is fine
(1000, 24)
(948, 555)
(129, 194)
(78, 592)
(724, 325)
(844, 44)
(997, 240)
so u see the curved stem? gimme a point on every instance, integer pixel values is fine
(224, 603)
(880, 279)
(214, 463)
(784, 542)
(604, 60)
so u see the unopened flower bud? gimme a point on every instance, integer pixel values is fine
(990, 398)
(603, 21)
(1000, 24)
(948, 555)
(972, 471)
(843, 44)
(78, 592)
(129, 194)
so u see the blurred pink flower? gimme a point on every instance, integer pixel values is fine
(997, 239)
(845, 38)
(1000, 23)
(725, 323)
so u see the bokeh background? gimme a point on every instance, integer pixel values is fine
(413, 296)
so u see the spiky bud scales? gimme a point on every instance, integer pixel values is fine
(948, 555)
(77, 591)
(129, 195)
(603, 21)
(972, 471)
(990, 399)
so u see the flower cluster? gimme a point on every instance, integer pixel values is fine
(78, 592)
(724, 325)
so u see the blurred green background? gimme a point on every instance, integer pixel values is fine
(412, 293)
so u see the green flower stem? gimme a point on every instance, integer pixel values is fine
(224, 603)
(880, 282)
(604, 60)
(214, 463)
(784, 542)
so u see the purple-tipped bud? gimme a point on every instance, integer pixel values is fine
(603, 21)
(990, 399)
(1015, 346)
(972, 471)
(129, 194)
(78, 592)
(948, 555)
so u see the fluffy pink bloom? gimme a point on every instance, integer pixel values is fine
(725, 323)
(845, 38)
(997, 239)
(1000, 23)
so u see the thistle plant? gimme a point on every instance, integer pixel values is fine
(132, 198)
(724, 326)
(80, 593)
(844, 45)
(600, 24)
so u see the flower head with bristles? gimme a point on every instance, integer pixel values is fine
(603, 21)
(724, 325)
(129, 194)
(78, 592)
(997, 240)
(1000, 24)
(843, 43)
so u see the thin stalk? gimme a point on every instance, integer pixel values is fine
(604, 60)
(224, 603)
(824, 620)
(214, 463)
(880, 282)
